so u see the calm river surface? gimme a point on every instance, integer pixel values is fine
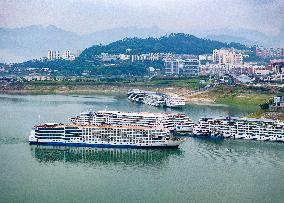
(199, 171)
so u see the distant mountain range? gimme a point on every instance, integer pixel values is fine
(247, 37)
(20, 44)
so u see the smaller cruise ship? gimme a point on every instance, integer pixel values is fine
(102, 136)
(242, 128)
(174, 101)
(135, 95)
(155, 99)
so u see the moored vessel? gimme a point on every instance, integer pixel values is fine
(241, 128)
(155, 98)
(179, 123)
(174, 101)
(103, 136)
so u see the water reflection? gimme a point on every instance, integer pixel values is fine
(105, 156)
(8, 99)
(241, 151)
(57, 99)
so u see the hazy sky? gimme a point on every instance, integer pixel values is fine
(86, 16)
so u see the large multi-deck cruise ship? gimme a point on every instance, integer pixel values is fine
(173, 122)
(102, 136)
(241, 128)
(143, 129)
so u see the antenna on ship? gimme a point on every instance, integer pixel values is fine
(106, 109)
(39, 118)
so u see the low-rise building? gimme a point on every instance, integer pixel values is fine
(108, 57)
(244, 79)
(173, 67)
(269, 52)
(154, 71)
(185, 67)
(278, 101)
(191, 67)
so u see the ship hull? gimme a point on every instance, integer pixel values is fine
(164, 146)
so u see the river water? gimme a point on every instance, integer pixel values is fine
(200, 170)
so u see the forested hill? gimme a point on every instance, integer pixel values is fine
(178, 43)
(89, 62)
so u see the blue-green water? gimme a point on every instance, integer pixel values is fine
(199, 171)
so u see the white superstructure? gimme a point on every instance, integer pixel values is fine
(173, 100)
(102, 136)
(172, 122)
(155, 98)
(136, 95)
(242, 128)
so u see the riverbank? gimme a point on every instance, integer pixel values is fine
(221, 95)
(267, 115)
(63, 89)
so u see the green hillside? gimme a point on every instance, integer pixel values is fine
(178, 43)
(88, 61)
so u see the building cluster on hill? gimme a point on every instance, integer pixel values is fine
(224, 61)
(106, 57)
(269, 52)
(118, 60)
(175, 64)
(67, 55)
(223, 69)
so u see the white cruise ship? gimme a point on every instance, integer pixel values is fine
(102, 136)
(155, 98)
(242, 128)
(174, 122)
(174, 101)
(136, 95)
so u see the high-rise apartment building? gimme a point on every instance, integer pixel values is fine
(57, 55)
(227, 56)
(66, 55)
(49, 55)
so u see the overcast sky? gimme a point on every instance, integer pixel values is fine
(86, 16)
